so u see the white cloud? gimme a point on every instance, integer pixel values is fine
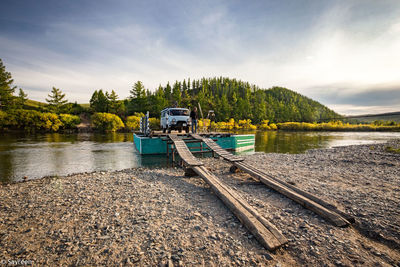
(83, 58)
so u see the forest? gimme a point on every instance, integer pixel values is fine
(230, 98)
(237, 105)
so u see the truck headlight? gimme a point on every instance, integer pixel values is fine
(173, 121)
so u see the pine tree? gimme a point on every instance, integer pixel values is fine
(223, 112)
(99, 102)
(6, 88)
(56, 101)
(176, 94)
(114, 104)
(22, 98)
(138, 90)
(168, 93)
(138, 98)
(94, 100)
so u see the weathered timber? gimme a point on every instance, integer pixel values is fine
(249, 208)
(319, 206)
(314, 198)
(184, 151)
(217, 149)
(331, 216)
(263, 231)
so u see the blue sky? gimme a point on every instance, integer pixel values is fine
(345, 54)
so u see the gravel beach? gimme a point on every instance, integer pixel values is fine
(159, 217)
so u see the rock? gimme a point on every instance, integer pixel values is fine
(147, 216)
(268, 256)
(214, 236)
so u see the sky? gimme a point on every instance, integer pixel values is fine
(344, 54)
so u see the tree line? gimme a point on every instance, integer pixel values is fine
(229, 98)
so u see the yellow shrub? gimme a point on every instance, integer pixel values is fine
(273, 126)
(133, 122)
(333, 126)
(107, 122)
(245, 124)
(154, 123)
(69, 121)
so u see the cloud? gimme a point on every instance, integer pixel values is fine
(342, 54)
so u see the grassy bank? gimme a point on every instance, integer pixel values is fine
(298, 126)
(31, 120)
(335, 126)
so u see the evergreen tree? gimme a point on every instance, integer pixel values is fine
(6, 88)
(138, 98)
(138, 90)
(223, 111)
(22, 98)
(168, 93)
(113, 102)
(176, 94)
(99, 102)
(94, 100)
(56, 101)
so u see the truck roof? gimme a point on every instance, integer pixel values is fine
(175, 108)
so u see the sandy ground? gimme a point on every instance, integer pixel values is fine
(159, 217)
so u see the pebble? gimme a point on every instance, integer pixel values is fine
(144, 217)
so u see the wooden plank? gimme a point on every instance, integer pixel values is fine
(249, 208)
(217, 149)
(184, 151)
(262, 230)
(314, 198)
(331, 216)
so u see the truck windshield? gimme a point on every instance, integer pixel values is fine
(179, 112)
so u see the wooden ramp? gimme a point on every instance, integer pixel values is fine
(263, 230)
(184, 152)
(307, 200)
(217, 149)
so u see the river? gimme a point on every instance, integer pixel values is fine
(54, 154)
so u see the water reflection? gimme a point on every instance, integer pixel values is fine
(41, 155)
(52, 154)
(289, 142)
(300, 142)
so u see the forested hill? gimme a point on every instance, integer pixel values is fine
(230, 98)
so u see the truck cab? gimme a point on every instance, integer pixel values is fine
(175, 119)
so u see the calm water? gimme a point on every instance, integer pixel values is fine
(41, 155)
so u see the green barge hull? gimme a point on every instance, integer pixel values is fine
(158, 144)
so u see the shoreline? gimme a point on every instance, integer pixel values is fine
(157, 216)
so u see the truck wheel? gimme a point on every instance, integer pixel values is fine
(187, 129)
(169, 130)
(180, 129)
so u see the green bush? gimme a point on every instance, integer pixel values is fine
(106, 122)
(154, 123)
(3, 117)
(69, 121)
